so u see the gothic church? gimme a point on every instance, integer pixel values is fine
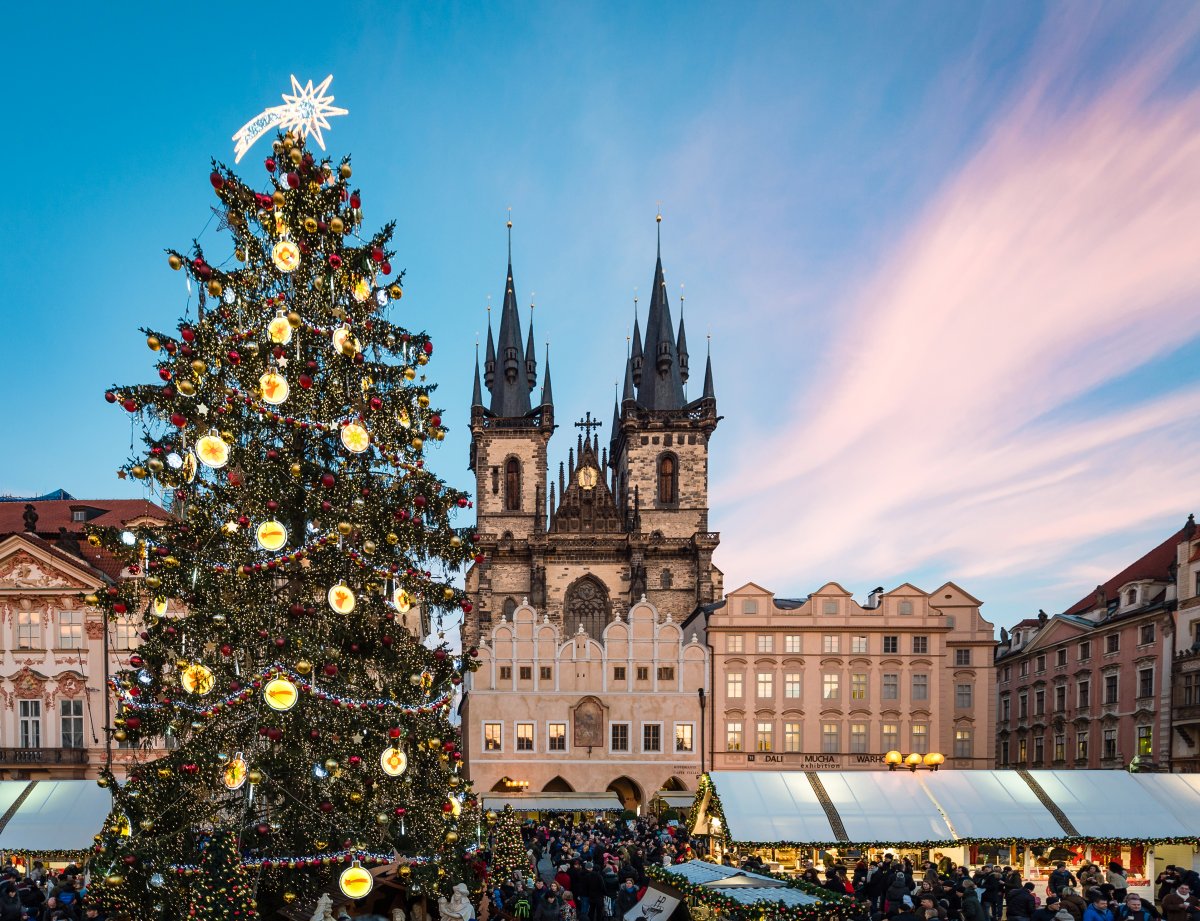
(620, 521)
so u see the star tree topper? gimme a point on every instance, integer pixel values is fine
(306, 109)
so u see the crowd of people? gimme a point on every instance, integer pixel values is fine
(45, 895)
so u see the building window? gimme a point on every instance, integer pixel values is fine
(506, 673)
(890, 736)
(1146, 634)
(964, 746)
(1005, 708)
(733, 643)
(1145, 682)
(619, 734)
(791, 685)
(829, 606)
(858, 738)
(509, 608)
(526, 672)
(1022, 705)
(906, 607)
(1024, 668)
(524, 737)
(512, 485)
(1085, 650)
(962, 657)
(618, 673)
(1081, 746)
(920, 687)
(71, 717)
(1110, 743)
(920, 739)
(766, 685)
(891, 645)
(830, 687)
(1191, 689)
(920, 645)
(1060, 656)
(733, 685)
(556, 737)
(1022, 751)
(749, 605)
(733, 737)
(1110, 689)
(28, 630)
(1006, 673)
(586, 605)
(1039, 702)
(830, 643)
(891, 687)
(643, 673)
(792, 643)
(70, 629)
(1112, 643)
(831, 738)
(1060, 698)
(492, 737)
(668, 479)
(1004, 753)
(1131, 596)
(683, 737)
(29, 713)
(651, 737)
(766, 643)
(791, 737)
(858, 686)
(1060, 747)
(126, 632)
(1085, 693)
(858, 644)
(1039, 750)
(762, 738)
(666, 673)
(1041, 663)
(1145, 740)
(964, 697)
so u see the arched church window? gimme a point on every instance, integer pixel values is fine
(586, 605)
(668, 480)
(510, 605)
(512, 485)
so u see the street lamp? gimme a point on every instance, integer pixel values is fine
(932, 760)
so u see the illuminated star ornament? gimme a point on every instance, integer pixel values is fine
(306, 109)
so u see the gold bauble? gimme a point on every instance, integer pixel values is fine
(454, 780)
(227, 437)
(171, 562)
(278, 199)
(448, 593)
(423, 399)
(289, 897)
(395, 293)
(439, 435)
(456, 541)
(114, 879)
(434, 744)
(344, 528)
(422, 359)
(444, 759)
(255, 776)
(319, 282)
(101, 781)
(356, 797)
(344, 171)
(393, 537)
(368, 546)
(93, 599)
(409, 374)
(406, 871)
(239, 255)
(155, 464)
(337, 225)
(331, 764)
(139, 473)
(296, 470)
(303, 667)
(153, 343)
(251, 347)
(491, 815)
(381, 818)
(165, 772)
(120, 735)
(417, 444)
(187, 388)
(198, 366)
(94, 540)
(153, 582)
(414, 679)
(174, 262)
(294, 319)
(451, 836)
(310, 225)
(146, 824)
(214, 288)
(287, 142)
(295, 155)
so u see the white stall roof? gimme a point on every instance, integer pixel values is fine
(990, 804)
(56, 815)
(742, 885)
(884, 806)
(675, 799)
(1113, 804)
(1180, 793)
(554, 802)
(771, 806)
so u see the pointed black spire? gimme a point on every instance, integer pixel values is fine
(661, 386)
(530, 354)
(489, 363)
(709, 392)
(636, 354)
(681, 344)
(547, 392)
(628, 394)
(477, 392)
(510, 386)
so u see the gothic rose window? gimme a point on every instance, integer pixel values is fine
(586, 605)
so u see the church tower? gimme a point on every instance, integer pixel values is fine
(509, 437)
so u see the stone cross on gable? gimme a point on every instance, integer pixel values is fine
(587, 423)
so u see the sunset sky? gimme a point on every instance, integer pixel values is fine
(949, 254)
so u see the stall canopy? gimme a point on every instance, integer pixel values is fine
(896, 807)
(554, 802)
(675, 799)
(741, 885)
(52, 815)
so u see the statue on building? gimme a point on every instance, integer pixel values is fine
(30, 517)
(537, 588)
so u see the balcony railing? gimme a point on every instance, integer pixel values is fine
(43, 756)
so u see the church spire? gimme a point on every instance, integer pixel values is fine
(530, 354)
(510, 387)
(547, 392)
(681, 343)
(477, 392)
(628, 393)
(489, 363)
(661, 386)
(709, 392)
(636, 355)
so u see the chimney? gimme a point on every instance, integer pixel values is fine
(874, 599)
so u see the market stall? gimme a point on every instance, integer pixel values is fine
(50, 820)
(714, 891)
(541, 805)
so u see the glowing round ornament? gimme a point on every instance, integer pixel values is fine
(234, 774)
(393, 761)
(271, 536)
(189, 466)
(280, 694)
(341, 599)
(355, 438)
(212, 451)
(362, 290)
(274, 387)
(355, 881)
(286, 256)
(160, 606)
(279, 330)
(402, 600)
(344, 340)
(197, 679)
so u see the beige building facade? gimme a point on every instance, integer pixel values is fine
(569, 713)
(824, 683)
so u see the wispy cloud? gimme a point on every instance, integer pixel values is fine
(948, 423)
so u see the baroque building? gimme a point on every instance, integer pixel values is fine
(621, 521)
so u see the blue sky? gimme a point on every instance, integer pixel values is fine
(946, 252)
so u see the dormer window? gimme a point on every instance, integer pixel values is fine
(1131, 596)
(78, 514)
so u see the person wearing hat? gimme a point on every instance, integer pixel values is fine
(1048, 909)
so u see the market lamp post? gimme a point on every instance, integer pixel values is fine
(931, 760)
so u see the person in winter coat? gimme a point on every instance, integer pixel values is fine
(1179, 905)
(1115, 877)
(992, 898)
(1135, 909)
(972, 908)
(1021, 903)
(627, 896)
(1048, 909)
(550, 909)
(1073, 902)
(1098, 910)
(1060, 878)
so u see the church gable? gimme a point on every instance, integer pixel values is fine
(23, 566)
(586, 505)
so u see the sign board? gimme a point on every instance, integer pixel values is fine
(656, 905)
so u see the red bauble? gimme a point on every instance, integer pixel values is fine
(168, 392)
(327, 480)
(335, 261)
(274, 734)
(376, 402)
(355, 200)
(263, 828)
(440, 655)
(280, 642)
(326, 806)
(269, 163)
(355, 648)
(216, 179)
(119, 607)
(355, 760)
(110, 396)
(467, 607)
(314, 734)
(130, 404)
(226, 649)
(188, 334)
(462, 501)
(234, 357)
(293, 181)
(272, 454)
(435, 420)
(394, 732)
(133, 722)
(446, 807)
(419, 501)
(386, 268)
(377, 254)
(331, 670)
(178, 420)
(428, 348)
(272, 505)
(164, 373)
(129, 859)
(305, 381)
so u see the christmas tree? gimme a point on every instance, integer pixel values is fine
(225, 895)
(508, 847)
(282, 660)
